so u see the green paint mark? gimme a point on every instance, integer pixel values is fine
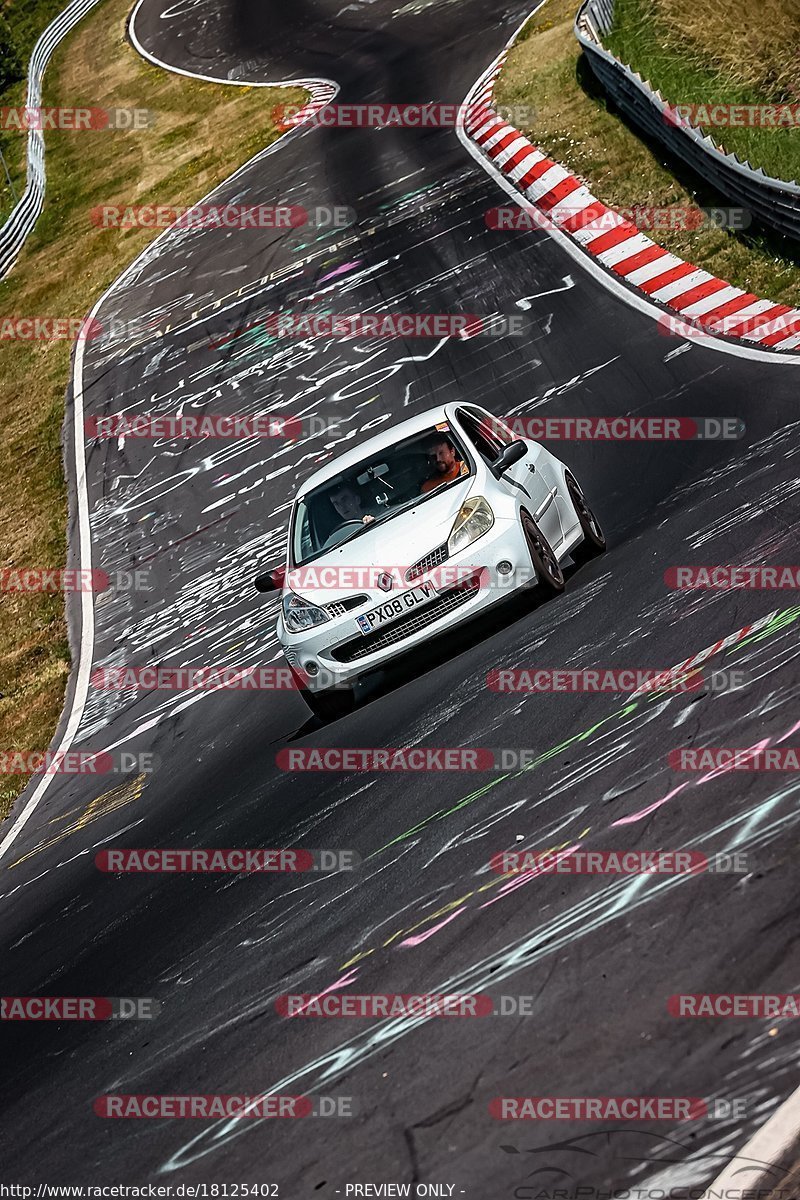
(395, 203)
(544, 757)
(780, 620)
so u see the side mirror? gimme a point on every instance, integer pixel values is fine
(271, 581)
(507, 457)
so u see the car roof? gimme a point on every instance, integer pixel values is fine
(393, 434)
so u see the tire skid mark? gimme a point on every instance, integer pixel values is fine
(579, 921)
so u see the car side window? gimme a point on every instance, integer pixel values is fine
(503, 434)
(479, 431)
(500, 432)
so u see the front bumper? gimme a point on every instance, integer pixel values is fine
(337, 653)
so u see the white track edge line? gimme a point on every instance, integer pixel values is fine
(84, 529)
(780, 1130)
(589, 264)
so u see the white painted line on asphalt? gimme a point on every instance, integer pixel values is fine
(319, 84)
(87, 597)
(609, 281)
(87, 629)
(776, 1136)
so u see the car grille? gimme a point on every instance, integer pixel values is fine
(407, 626)
(337, 608)
(434, 559)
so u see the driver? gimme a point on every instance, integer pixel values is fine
(348, 503)
(446, 464)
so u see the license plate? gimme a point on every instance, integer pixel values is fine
(398, 606)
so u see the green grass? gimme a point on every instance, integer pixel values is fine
(546, 71)
(21, 24)
(12, 147)
(26, 20)
(686, 64)
(202, 133)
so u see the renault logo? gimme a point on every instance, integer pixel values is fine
(385, 582)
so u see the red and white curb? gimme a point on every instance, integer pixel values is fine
(531, 178)
(564, 203)
(696, 660)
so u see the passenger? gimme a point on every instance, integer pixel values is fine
(348, 503)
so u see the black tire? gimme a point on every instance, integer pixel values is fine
(543, 558)
(594, 540)
(328, 705)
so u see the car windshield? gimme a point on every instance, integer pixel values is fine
(378, 488)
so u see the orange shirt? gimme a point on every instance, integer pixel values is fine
(438, 480)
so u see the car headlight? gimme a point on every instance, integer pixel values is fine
(473, 521)
(300, 614)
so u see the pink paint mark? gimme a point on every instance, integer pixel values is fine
(340, 270)
(645, 812)
(526, 876)
(717, 771)
(344, 982)
(423, 937)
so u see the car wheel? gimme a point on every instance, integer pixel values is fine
(543, 557)
(594, 540)
(327, 705)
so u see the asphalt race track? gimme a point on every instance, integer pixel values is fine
(424, 912)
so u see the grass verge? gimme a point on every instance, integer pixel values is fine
(545, 71)
(202, 133)
(21, 23)
(722, 53)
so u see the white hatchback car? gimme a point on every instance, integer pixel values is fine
(413, 532)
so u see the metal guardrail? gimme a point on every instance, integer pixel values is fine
(773, 202)
(26, 211)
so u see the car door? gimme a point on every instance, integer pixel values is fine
(532, 480)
